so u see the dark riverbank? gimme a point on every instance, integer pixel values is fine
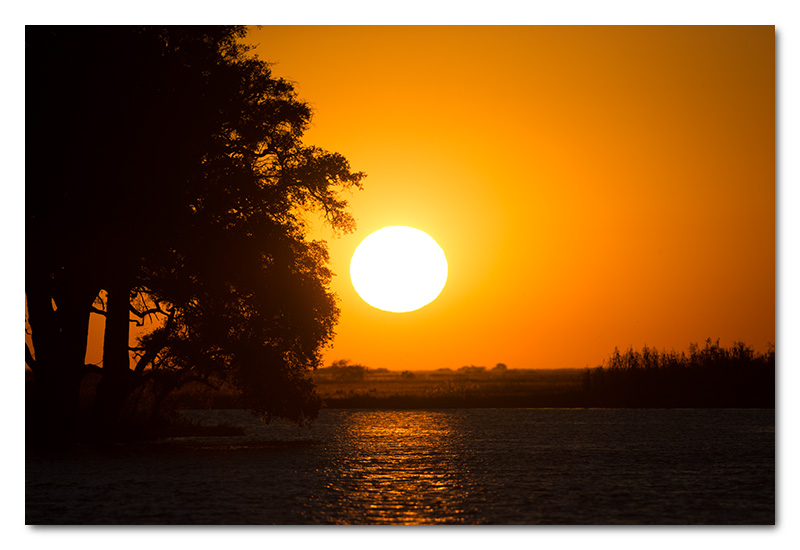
(546, 388)
(707, 377)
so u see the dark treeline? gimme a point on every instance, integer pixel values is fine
(711, 376)
(702, 377)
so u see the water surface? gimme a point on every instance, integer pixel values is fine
(460, 466)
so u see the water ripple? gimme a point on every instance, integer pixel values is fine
(503, 466)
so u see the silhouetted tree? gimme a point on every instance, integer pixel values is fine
(166, 179)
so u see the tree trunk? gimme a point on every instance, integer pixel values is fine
(116, 383)
(59, 341)
(52, 415)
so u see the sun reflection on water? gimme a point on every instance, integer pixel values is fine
(406, 467)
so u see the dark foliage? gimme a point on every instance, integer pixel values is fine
(166, 180)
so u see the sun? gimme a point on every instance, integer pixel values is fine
(398, 269)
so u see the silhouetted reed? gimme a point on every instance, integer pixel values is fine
(712, 376)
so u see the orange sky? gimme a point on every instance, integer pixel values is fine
(592, 187)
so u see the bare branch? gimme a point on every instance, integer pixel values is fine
(156, 310)
(145, 313)
(97, 311)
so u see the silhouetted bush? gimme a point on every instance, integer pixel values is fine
(471, 370)
(343, 371)
(500, 368)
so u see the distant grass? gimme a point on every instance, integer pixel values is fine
(437, 389)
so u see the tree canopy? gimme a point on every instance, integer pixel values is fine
(166, 178)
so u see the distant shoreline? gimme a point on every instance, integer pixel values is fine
(356, 387)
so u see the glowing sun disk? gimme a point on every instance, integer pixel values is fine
(398, 269)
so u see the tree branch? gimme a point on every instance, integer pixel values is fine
(148, 357)
(145, 313)
(99, 298)
(245, 152)
(97, 311)
(157, 309)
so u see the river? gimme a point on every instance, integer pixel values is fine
(454, 466)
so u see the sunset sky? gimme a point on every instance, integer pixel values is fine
(592, 187)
